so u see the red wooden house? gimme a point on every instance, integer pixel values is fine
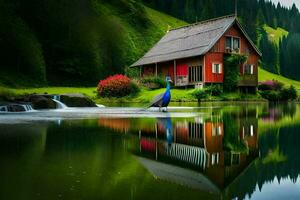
(193, 54)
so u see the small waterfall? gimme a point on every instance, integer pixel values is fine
(27, 108)
(100, 106)
(59, 104)
(16, 108)
(3, 109)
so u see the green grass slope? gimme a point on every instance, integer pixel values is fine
(264, 75)
(275, 34)
(83, 44)
(141, 40)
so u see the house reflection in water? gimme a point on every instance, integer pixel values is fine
(198, 145)
(203, 153)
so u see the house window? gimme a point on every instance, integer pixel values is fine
(217, 68)
(216, 130)
(232, 45)
(248, 69)
(248, 130)
(195, 130)
(215, 158)
(195, 74)
(251, 130)
(228, 43)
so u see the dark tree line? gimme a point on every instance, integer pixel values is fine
(249, 12)
(283, 58)
(289, 56)
(270, 58)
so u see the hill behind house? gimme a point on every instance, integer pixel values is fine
(74, 43)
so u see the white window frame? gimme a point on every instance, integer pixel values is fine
(216, 130)
(215, 157)
(220, 68)
(251, 69)
(231, 46)
(251, 130)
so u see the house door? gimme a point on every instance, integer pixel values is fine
(195, 74)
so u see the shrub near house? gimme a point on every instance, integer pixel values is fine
(117, 86)
(275, 91)
(153, 82)
(200, 94)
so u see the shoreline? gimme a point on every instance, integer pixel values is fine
(144, 96)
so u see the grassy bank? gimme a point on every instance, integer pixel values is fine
(179, 95)
(145, 96)
(264, 75)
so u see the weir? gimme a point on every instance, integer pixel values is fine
(16, 108)
(59, 104)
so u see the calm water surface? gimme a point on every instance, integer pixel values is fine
(207, 151)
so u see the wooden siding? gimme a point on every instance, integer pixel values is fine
(210, 58)
(215, 55)
(182, 67)
(148, 70)
(250, 79)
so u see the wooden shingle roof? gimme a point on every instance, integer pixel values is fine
(189, 41)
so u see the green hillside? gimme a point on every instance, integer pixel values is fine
(281, 50)
(264, 75)
(74, 43)
(275, 35)
(141, 40)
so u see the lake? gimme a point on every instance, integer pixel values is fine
(206, 151)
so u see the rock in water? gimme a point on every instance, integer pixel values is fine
(42, 102)
(77, 100)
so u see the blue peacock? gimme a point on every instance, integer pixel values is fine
(162, 100)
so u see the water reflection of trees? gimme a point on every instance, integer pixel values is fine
(279, 150)
(275, 112)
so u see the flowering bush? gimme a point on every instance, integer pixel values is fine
(275, 91)
(270, 85)
(117, 86)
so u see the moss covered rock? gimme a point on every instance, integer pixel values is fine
(42, 102)
(77, 100)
